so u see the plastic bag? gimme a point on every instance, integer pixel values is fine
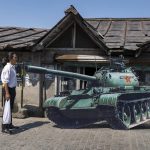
(7, 113)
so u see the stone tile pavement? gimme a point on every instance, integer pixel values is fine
(41, 134)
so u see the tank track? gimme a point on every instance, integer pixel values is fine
(61, 121)
(116, 123)
(121, 118)
(138, 113)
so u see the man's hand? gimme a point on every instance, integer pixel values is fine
(7, 96)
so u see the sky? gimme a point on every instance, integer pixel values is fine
(46, 13)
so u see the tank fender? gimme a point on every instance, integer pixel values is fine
(109, 99)
(54, 102)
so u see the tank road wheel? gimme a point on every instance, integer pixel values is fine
(126, 115)
(148, 109)
(144, 110)
(137, 112)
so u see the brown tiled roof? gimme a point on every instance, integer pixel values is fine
(115, 33)
(14, 37)
(126, 33)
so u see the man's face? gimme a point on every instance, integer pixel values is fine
(14, 59)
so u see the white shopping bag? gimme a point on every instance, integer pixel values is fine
(7, 113)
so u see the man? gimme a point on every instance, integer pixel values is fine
(9, 80)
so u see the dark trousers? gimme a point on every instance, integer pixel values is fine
(12, 92)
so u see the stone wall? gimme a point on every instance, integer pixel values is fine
(31, 89)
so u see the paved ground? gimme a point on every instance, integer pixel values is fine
(40, 134)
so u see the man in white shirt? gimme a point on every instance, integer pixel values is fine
(9, 80)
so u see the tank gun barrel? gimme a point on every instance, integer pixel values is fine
(41, 70)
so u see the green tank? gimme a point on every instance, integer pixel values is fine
(113, 94)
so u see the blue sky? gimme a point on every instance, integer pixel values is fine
(46, 13)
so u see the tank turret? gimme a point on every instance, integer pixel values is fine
(117, 98)
(117, 75)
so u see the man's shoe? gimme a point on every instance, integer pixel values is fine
(13, 127)
(7, 131)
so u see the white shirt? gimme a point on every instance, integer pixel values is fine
(8, 75)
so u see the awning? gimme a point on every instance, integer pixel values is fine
(82, 58)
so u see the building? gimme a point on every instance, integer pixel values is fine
(77, 44)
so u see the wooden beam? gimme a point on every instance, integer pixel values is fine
(59, 34)
(74, 35)
(72, 49)
(116, 50)
(93, 36)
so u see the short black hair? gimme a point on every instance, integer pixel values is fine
(10, 55)
(7, 59)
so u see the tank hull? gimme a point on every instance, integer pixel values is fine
(122, 110)
(76, 118)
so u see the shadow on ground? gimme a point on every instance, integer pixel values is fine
(142, 126)
(29, 126)
(104, 124)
